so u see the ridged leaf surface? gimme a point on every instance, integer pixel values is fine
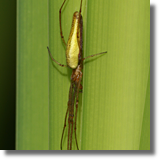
(114, 107)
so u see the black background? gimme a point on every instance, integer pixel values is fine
(7, 74)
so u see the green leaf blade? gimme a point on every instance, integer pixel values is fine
(115, 84)
(32, 76)
(113, 111)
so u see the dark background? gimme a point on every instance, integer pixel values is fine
(7, 73)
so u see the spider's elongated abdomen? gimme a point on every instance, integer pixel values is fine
(73, 49)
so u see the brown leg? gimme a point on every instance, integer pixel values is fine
(62, 65)
(68, 135)
(71, 115)
(64, 128)
(77, 101)
(75, 125)
(61, 24)
(71, 135)
(80, 7)
(94, 55)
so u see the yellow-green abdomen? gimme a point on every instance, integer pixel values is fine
(72, 50)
